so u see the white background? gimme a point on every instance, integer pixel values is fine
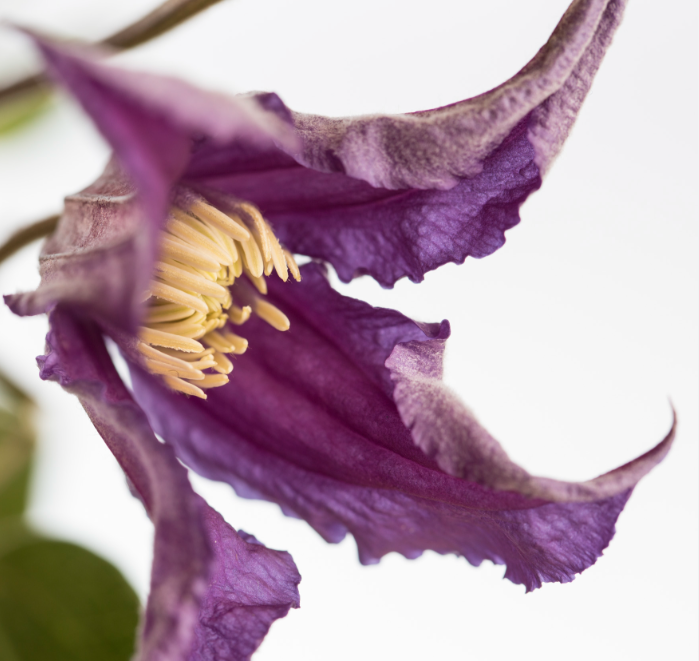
(568, 342)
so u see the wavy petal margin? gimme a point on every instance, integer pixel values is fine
(328, 419)
(208, 582)
(390, 196)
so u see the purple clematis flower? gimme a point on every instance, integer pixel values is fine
(343, 419)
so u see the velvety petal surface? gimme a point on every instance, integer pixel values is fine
(309, 421)
(98, 259)
(106, 243)
(391, 196)
(437, 148)
(150, 121)
(448, 431)
(444, 184)
(388, 234)
(214, 593)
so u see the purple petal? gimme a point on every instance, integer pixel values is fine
(250, 587)
(98, 259)
(151, 121)
(437, 148)
(445, 184)
(446, 430)
(207, 581)
(442, 185)
(309, 421)
(387, 234)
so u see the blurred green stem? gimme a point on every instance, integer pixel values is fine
(162, 19)
(27, 235)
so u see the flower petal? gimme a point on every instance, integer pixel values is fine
(207, 581)
(445, 184)
(309, 421)
(442, 185)
(446, 430)
(98, 259)
(250, 587)
(387, 234)
(437, 148)
(150, 121)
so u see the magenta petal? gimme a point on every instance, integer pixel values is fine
(309, 421)
(207, 580)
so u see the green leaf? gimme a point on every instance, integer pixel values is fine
(17, 441)
(59, 602)
(18, 111)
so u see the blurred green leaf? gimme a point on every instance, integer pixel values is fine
(59, 602)
(17, 441)
(17, 112)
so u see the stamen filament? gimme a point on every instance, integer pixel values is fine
(174, 247)
(293, 266)
(157, 367)
(184, 386)
(223, 364)
(175, 295)
(236, 230)
(271, 314)
(191, 282)
(213, 381)
(183, 230)
(258, 230)
(189, 302)
(163, 339)
(168, 312)
(239, 315)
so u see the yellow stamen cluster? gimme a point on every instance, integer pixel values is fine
(189, 304)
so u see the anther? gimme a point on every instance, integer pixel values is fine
(168, 312)
(175, 248)
(175, 295)
(239, 315)
(259, 229)
(181, 227)
(190, 281)
(213, 381)
(293, 266)
(156, 367)
(252, 259)
(184, 386)
(162, 339)
(236, 230)
(189, 303)
(271, 314)
(223, 365)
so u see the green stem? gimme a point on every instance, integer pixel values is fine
(162, 19)
(27, 235)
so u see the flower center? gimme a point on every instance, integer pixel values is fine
(190, 308)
